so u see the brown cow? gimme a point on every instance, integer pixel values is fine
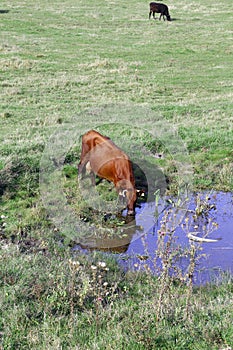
(156, 7)
(103, 158)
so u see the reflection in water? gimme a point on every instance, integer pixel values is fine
(113, 240)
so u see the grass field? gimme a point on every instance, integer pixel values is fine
(69, 66)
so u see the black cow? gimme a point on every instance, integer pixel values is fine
(156, 7)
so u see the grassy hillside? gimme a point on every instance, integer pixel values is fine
(60, 60)
(166, 87)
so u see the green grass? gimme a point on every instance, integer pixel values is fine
(153, 87)
(69, 306)
(60, 59)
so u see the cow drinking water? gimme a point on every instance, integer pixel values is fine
(102, 157)
(156, 7)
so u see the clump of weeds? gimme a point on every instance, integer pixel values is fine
(91, 288)
(166, 264)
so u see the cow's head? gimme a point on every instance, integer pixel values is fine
(128, 193)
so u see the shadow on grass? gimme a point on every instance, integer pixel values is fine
(4, 11)
(172, 19)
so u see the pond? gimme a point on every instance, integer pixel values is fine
(137, 247)
(218, 255)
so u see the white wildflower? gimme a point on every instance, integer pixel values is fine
(102, 264)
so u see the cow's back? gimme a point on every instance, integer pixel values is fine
(159, 8)
(92, 138)
(106, 159)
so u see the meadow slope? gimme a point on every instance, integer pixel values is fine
(72, 65)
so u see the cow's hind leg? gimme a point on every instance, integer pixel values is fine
(90, 172)
(84, 159)
(80, 170)
(83, 167)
